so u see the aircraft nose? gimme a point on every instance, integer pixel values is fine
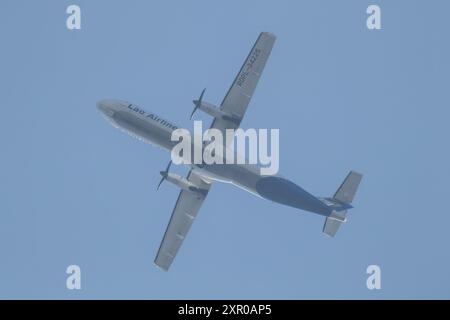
(106, 107)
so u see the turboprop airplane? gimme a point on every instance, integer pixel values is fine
(155, 130)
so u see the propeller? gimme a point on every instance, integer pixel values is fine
(164, 174)
(197, 103)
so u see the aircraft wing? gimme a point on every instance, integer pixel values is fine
(184, 213)
(235, 105)
(241, 91)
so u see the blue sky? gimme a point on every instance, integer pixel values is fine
(74, 190)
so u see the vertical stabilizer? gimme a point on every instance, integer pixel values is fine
(343, 197)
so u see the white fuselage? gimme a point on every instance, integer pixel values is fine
(154, 130)
(157, 131)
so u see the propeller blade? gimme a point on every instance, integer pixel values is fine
(164, 174)
(198, 103)
(168, 166)
(159, 184)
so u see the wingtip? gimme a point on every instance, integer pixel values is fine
(356, 173)
(268, 34)
(160, 267)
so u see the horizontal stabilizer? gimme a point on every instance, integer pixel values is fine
(347, 190)
(331, 226)
(333, 222)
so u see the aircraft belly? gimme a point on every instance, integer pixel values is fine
(144, 130)
(238, 175)
(283, 191)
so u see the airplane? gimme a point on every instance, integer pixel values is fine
(152, 129)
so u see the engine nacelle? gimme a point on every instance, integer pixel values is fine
(214, 111)
(183, 183)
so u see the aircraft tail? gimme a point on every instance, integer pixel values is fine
(341, 202)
